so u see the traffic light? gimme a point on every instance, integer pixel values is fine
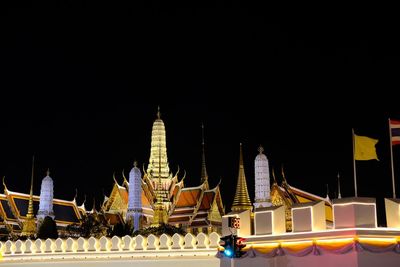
(227, 242)
(238, 246)
(233, 246)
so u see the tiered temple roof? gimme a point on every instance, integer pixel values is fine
(14, 208)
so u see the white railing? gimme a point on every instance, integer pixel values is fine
(115, 247)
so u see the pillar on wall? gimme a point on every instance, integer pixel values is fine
(392, 208)
(307, 217)
(269, 221)
(354, 212)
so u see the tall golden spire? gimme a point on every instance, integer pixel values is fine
(29, 225)
(158, 162)
(204, 175)
(241, 201)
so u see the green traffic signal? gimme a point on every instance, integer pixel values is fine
(233, 246)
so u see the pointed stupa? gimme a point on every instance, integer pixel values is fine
(46, 197)
(262, 180)
(241, 201)
(29, 225)
(158, 162)
(135, 197)
(204, 175)
(338, 181)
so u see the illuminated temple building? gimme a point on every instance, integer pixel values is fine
(164, 198)
(278, 195)
(14, 210)
(155, 196)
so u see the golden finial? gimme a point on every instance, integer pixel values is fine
(135, 164)
(202, 133)
(158, 112)
(94, 203)
(260, 149)
(4, 183)
(273, 175)
(241, 156)
(283, 175)
(48, 172)
(115, 180)
(123, 175)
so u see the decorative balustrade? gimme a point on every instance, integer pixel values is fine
(138, 246)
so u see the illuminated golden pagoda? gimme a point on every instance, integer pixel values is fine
(158, 162)
(160, 213)
(29, 225)
(164, 197)
(241, 201)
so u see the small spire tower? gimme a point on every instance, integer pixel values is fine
(241, 201)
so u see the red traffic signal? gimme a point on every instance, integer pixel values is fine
(238, 246)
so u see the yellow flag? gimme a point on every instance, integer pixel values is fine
(364, 148)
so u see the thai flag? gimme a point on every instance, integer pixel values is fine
(395, 130)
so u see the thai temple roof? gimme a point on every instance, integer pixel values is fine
(14, 207)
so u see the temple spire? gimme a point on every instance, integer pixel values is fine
(338, 181)
(160, 214)
(29, 225)
(204, 176)
(158, 162)
(241, 201)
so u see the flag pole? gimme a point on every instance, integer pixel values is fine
(354, 165)
(391, 159)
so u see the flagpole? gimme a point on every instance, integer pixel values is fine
(391, 159)
(354, 165)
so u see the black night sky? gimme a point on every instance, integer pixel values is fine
(80, 85)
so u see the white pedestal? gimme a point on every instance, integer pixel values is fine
(307, 217)
(269, 221)
(354, 212)
(392, 208)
